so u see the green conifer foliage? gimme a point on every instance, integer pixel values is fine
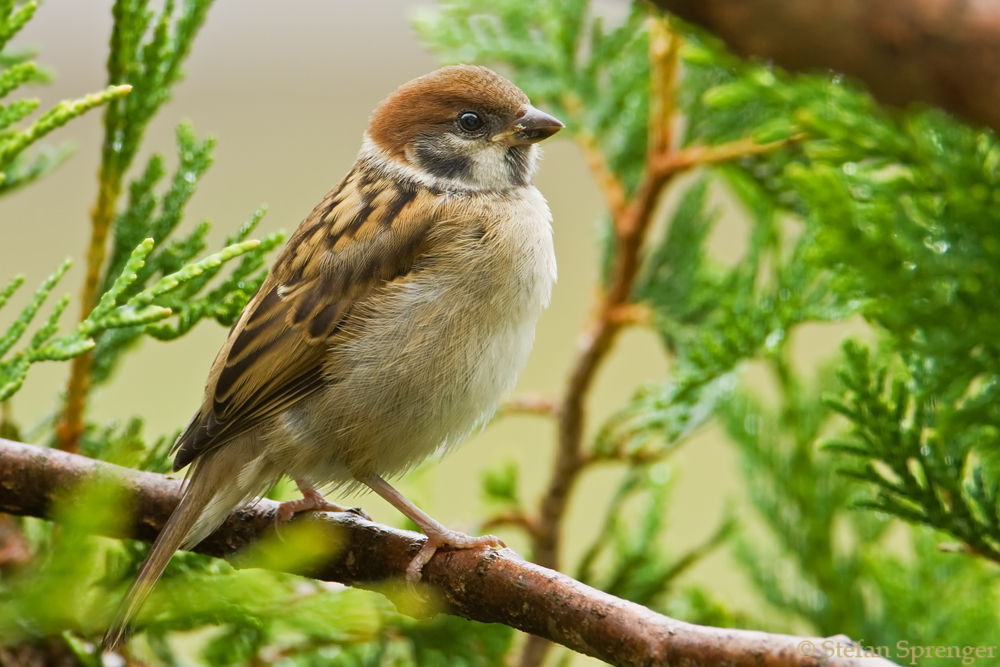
(19, 166)
(856, 474)
(888, 216)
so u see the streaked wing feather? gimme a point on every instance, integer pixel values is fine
(365, 232)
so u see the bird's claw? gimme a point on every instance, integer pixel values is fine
(313, 500)
(452, 539)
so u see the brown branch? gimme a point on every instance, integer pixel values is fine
(669, 163)
(941, 52)
(615, 312)
(631, 217)
(664, 48)
(15, 551)
(612, 188)
(485, 586)
(632, 314)
(8, 429)
(71, 424)
(515, 518)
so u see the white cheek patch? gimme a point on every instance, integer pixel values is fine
(490, 169)
(453, 163)
(490, 165)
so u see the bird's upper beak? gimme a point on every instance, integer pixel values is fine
(530, 126)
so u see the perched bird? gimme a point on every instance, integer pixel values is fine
(398, 314)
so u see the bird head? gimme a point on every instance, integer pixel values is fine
(464, 125)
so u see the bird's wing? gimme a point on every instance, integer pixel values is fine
(365, 232)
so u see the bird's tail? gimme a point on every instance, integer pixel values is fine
(183, 525)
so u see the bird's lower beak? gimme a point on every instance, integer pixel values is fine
(530, 127)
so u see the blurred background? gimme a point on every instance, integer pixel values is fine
(287, 88)
(881, 220)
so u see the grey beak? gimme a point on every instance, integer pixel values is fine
(530, 127)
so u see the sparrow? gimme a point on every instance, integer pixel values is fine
(393, 321)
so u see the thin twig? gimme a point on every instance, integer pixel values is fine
(481, 585)
(516, 518)
(530, 403)
(664, 58)
(8, 429)
(632, 314)
(611, 187)
(631, 218)
(692, 156)
(697, 553)
(71, 425)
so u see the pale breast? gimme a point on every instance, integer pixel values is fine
(433, 354)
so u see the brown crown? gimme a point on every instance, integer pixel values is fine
(433, 101)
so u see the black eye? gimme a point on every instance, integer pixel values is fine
(469, 121)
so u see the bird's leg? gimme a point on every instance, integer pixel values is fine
(312, 499)
(437, 535)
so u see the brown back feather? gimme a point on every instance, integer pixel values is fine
(277, 353)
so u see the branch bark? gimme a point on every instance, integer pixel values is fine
(485, 586)
(940, 52)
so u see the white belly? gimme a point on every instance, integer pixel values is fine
(432, 357)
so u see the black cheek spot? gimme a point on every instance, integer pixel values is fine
(444, 164)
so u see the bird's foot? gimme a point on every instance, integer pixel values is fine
(313, 500)
(441, 538)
